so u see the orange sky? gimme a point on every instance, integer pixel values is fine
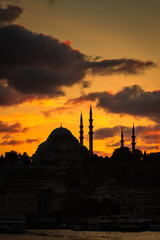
(110, 29)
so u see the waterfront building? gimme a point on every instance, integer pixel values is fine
(15, 202)
(144, 204)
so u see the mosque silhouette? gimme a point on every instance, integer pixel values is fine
(62, 149)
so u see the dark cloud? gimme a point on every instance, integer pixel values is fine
(146, 132)
(149, 129)
(117, 144)
(48, 113)
(11, 128)
(126, 66)
(153, 147)
(131, 100)
(10, 13)
(14, 142)
(32, 140)
(9, 96)
(149, 135)
(152, 139)
(107, 132)
(141, 147)
(145, 147)
(38, 65)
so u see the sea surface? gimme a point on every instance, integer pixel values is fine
(80, 235)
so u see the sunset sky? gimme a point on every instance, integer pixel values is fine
(58, 57)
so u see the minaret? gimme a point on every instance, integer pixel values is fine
(81, 130)
(133, 139)
(90, 131)
(122, 141)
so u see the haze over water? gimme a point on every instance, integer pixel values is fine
(80, 235)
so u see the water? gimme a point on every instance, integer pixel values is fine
(80, 235)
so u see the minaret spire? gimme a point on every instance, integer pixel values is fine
(122, 141)
(90, 131)
(81, 129)
(133, 139)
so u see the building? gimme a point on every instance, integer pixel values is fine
(16, 202)
(51, 198)
(61, 149)
(111, 190)
(145, 204)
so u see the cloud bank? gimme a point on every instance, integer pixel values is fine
(132, 100)
(34, 65)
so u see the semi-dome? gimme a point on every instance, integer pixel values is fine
(61, 131)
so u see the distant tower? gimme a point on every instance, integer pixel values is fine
(133, 139)
(81, 130)
(122, 141)
(90, 131)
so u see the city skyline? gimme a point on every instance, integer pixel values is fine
(58, 58)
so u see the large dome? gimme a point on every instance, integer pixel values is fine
(60, 132)
(60, 146)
